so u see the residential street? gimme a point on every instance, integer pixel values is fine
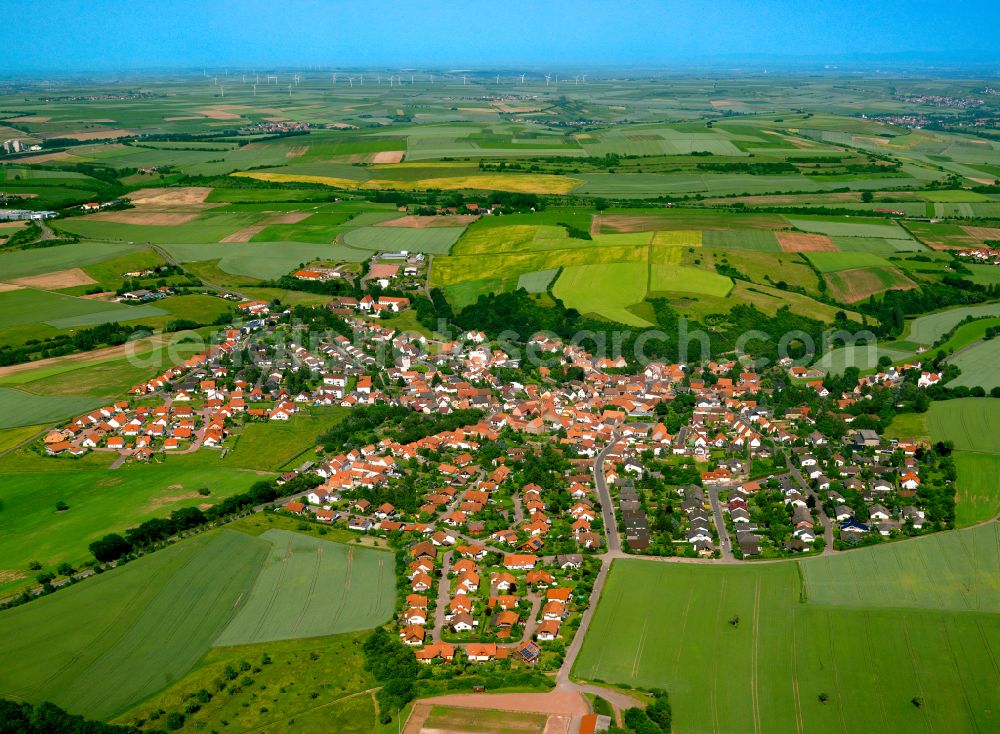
(725, 545)
(828, 549)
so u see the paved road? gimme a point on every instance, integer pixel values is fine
(212, 286)
(443, 596)
(607, 504)
(725, 544)
(828, 549)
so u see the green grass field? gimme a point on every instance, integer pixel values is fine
(435, 240)
(103, 646)
(100, 501)
(312, 686)
(741, 239)
(977, 496)
(968, 334)
(930, 328)
(311, 588)
(607, 289)
(274, 445)
(856, 227)
(862, 356)
(867, 653)
(11, 437)
(979, 366)
(23, 263)
(536, 282)
(28, 306)
(830, 262)
(973, 424)
(909, 426)
(20, 408)
(688, 280)
(261, 260)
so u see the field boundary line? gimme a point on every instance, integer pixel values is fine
(958, 672)
(113, 625)
(873, 669)
(221, 589)
(715, 658)
(754, 701)
(836, 674)
(916, 675)
(640, 646)
(347, 586)
(312, 589)
(986, 646)
(684, 619)
(274, 592)
(799, 726)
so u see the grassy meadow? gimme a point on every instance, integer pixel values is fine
(850, 628)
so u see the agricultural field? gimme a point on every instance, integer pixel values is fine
(100, 648)
(29, 305)
(978, 363)
(117, 639)
(606, 290)
(432, 240)
(21, 408)
(972, 425)
(930, 328)
(278, 446)
(869, 647)
(309, 587)
(100, 501)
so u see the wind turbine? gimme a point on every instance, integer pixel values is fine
(498, 80)
(411, 80)
(350, 80)
(576, 79)
(463, 79)
(522, 79)
(584, 78)
(547, 77)
(289, 91)
(254, 90)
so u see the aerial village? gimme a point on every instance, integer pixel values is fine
(505, 518)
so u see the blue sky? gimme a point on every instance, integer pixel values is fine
(130, 34)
